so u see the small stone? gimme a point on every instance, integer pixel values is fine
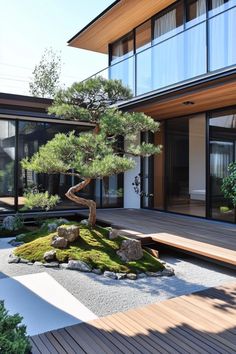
(70, 233)
(79, 265)
(97, 271)
(13, 259)
(30, 263)
(113, 234)
(49, 256)
(59, 242)
(121, 276)
(154, 274)
(51, 265)
(131, 276)
(142, 275)
(130, 250)
(84, 222)
(64, 265)
(25, 261)
(168, 272)
(111, 275)
(37, 263)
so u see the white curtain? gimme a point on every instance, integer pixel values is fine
(221, 156)
(165, 24)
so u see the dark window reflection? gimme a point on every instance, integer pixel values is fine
(222, 153)
(7, 165)
(31, 136)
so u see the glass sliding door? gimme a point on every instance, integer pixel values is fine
(222, 153)
(7, 165)
(186, 165)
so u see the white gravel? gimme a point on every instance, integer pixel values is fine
(105, 296)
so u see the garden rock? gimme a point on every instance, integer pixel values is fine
(25, 261)
(51, 265)
(121, 276)
(59, 242)
(168, 272)
(13, 259)
(64, 265)
(131, 276)
(16, 244)
(49, 256)
(142, 275)
(79, 265)
(113, 234)
(154, 274)
(97, 271)
(37, 263)
(131, 250)
(84, 222)
(111, 275)
(70, 233)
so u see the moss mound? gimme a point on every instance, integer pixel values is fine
(94, 247)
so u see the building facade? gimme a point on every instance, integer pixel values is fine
(179, 60)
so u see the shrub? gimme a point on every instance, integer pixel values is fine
(229, 184)
(13, 339)
(12, 223)
(40, 200)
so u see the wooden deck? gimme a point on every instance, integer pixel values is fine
(203, 322)
(210, 239)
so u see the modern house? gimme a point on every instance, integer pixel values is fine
(179, 60)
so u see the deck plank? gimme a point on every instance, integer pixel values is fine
(205, 238)
(202, 322)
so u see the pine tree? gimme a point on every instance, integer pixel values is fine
(94, 154)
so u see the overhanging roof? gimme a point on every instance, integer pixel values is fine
(115, 21)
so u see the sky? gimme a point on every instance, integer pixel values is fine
(27, 27)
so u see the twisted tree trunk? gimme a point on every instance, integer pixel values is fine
(87, 202)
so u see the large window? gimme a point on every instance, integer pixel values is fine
(7, 165)
(222, 152)
(187, 40)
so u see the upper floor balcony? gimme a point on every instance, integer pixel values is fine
(166, 50)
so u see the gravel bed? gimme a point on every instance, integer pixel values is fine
(105, 296)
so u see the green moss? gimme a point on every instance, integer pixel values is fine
(94, 247)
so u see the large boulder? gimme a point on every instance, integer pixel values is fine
(59, 242)
(131, 250)
(70, 232)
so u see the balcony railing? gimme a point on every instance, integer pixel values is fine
(205, 47)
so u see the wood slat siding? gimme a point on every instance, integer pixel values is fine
(213, 240)
(203, 322)
(205, 99)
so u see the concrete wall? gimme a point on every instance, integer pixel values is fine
(197, 157)
(131, 199)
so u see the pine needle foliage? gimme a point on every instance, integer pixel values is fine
(95, 153)
(13, 339)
